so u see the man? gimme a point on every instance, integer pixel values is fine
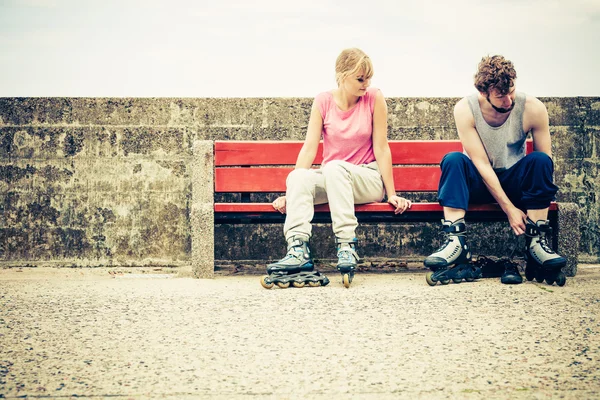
(492, 126)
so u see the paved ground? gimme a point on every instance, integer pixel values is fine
(93, 333)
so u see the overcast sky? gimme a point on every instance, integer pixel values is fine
(279, 48)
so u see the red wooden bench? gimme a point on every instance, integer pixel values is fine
(262, 167)
(234, 182)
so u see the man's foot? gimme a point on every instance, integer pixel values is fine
(454, 250)
(537, 248)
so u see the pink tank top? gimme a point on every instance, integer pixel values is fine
(348, 135)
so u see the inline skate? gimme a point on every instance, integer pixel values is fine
(452, 260)
(347, 259)
(543, 264)
(295, 269)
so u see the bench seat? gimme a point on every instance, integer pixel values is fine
(241, 170)
(257, 212)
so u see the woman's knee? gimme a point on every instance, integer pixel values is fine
(334, 168)
(298, 173)
(300, 176)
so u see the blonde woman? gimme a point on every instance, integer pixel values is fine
(356, 167)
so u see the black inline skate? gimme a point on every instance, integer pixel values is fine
(452, 261)
(295, 269)
(542, 262)
(347, 259)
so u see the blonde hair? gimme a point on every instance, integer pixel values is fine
(352, 61)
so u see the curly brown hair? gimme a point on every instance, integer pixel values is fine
(495, 72)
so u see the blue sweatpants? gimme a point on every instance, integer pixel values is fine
(528, 184)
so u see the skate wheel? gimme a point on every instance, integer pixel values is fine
(298, 284)
(561, 279)
(529, 273)
(456, 280)
(314, 284)
(283, 285)
(266, 282)
(429, 279)
(445, 281)
(469, 279)
(550, 281)
(346, 280)
(539, 276)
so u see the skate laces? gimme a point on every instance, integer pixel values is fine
(450, 231)
(447, 241)
(448, 238)
(347, 254)
(539, 234)
(543, 241)
(294, 253)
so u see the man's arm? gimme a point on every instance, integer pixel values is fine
(536, 119)
(465, 125)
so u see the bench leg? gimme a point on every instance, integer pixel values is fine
(567, 235)
(202, 210)
(203, 233)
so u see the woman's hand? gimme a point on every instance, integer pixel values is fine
(400, 203)
(279, 204)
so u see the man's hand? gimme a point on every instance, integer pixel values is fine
(279, 204)
(400, 203)
(517, 220)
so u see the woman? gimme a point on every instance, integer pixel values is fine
(356, 167)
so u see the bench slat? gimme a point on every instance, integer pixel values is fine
(268, 152)
(372, 207)
(238, 153)
(404, 152)
(258, 180)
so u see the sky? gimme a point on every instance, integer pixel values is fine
(280, 48)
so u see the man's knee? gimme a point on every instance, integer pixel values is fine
(540, 159)
(453, 159)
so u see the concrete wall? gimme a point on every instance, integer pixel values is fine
(101, 181)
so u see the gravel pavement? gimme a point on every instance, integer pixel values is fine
(97, 333)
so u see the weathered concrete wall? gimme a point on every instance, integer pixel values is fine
(86, 181)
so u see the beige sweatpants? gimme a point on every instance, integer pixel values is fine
(339, 183)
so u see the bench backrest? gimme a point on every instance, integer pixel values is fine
(263, 166)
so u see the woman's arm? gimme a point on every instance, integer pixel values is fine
(383, 155)
(308, 152)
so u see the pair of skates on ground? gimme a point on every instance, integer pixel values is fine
(452, 261)
(297, 267)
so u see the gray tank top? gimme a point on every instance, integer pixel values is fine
(505, 144)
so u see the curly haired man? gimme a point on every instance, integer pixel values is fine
(493, 125)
